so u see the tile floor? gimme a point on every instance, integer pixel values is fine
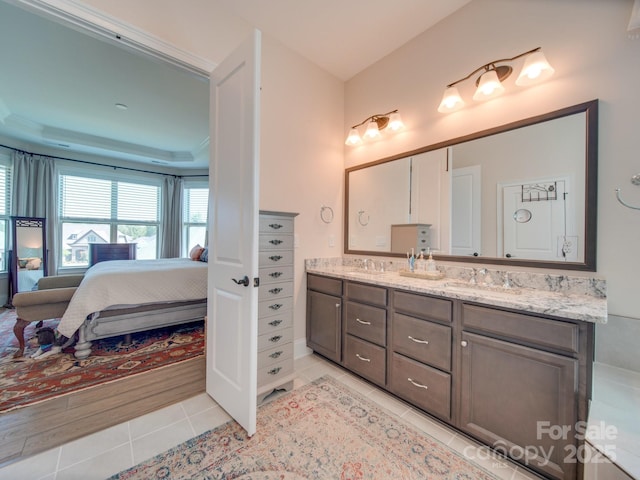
(102, 454)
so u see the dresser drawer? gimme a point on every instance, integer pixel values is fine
(425, 387)
(422, 340)
(522, 328)
(422, 306)
(281, 320)
(270, 258)
(275, 355)
(366, 293)
(274, 306)
(274, 339)
(366, 322)
(331, 286)
(276, 274)
(275, 242)
(366, 359)
(275, 290)
(272, 224)
(275, 372)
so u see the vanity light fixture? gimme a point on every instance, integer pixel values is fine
(535, 69)
(375, 125)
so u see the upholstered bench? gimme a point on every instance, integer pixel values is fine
(49, 301)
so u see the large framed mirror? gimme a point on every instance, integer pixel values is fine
(29, 254)
(522, 194)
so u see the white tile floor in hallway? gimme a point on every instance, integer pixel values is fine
(102, 454)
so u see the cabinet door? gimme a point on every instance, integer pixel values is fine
(518, 399)
(324, 325)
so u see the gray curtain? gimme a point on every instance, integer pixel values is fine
(171, 234)
(33, 195)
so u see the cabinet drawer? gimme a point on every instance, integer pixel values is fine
(275, 242)
(279, 321)
(276, 274)
(274, 306)
(366, 293)
(522, 328)
(275, 355)
(422, 306)
(366, 359)
(275, 290)
(425, 387)
(331, 286)
(276, 224)
(422, 340)
(274, 372)
(366, 322)
(275, 339)
(270, 258)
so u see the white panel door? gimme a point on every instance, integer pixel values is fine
(466, 208)
(232, 310)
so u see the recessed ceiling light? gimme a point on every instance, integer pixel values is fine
(121, 106)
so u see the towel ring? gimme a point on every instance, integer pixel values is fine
(361, 218)
(326, 217)
(636, 181)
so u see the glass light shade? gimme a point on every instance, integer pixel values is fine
(535, 69)
(395, 122)
(489, 87)
(353, 138)
(451, 101)
(372, 130)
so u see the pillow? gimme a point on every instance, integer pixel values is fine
(204, 256)
(194, 253)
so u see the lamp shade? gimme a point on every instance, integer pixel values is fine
(451, 101)
(395, 122)
(353, 138)
(372, 130)
(489, 86)
(535, 69)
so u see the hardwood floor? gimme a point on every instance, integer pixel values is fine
(44, 425)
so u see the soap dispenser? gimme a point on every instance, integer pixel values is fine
(431, 264)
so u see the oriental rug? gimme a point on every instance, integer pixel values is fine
(25, 381)
(322, 430)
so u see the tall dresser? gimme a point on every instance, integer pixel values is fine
(275, 307)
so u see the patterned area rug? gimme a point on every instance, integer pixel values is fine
(25, 381)
(320, 431)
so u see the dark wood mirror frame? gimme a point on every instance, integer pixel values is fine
(26, 222)
(590, 109)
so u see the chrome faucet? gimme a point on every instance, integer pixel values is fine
(486, 277)
(366, 263)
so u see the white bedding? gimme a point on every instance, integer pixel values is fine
(119, 283)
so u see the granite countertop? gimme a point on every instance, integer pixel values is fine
(573, 304)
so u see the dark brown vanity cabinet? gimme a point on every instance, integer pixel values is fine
(324, 316)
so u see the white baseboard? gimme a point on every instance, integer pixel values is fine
(300, 348)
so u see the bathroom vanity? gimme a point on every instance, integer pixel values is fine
(507, 366)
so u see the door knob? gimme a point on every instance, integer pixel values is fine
(243, 281)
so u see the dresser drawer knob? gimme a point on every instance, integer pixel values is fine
(364, 359)
(275, 258)
(275, 291)
(275, 226)
(274, 371)
(275, 241)
(417, 384)
(275, 274)
(362, 322)
(425, 342)
(276, 354)
(275, 338)
(275, 323)
(275, 306)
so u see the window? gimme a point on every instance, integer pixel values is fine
(107, 210)
(5, 209)
(194, 215)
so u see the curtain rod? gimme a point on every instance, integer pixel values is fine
(102, 164)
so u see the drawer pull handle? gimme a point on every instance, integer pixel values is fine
(275, 323)
(417, 384)
(275, 241)
(276, 354)
(362, 322)
(275, 291)
(275, 338)
(274, 371)
(364, 359)
(275, 274)
(275, 226)
(275, 306)
(275, 258)
(426, 342)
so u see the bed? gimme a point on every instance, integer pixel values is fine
(121, 297)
